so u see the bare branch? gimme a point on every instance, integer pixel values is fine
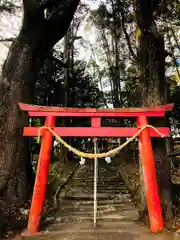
(61, 17)
(7, 39)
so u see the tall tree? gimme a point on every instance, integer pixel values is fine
(106, 22)
(151, 59)
(44, 24)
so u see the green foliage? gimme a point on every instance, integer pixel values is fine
(108, 22)
(83, 90)
(169, 12)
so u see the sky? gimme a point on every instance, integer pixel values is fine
(9, 27)
(10, 24)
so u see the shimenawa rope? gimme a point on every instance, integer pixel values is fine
(97, 155)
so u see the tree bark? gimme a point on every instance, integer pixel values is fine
(151, 59)
(14, 86)
(153, 87)
(27, 53)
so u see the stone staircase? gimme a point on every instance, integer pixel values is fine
(112, 195)
(116, 216)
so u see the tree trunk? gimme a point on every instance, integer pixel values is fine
(63, 150)
(27, 53)
(14, 87)
(152, 67)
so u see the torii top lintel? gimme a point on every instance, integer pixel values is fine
(35, 110)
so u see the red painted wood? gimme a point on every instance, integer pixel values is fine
(149, 172)
(96, 122)
(98, 114)
(41, 179)
(59, 111)
(94, 131)
(155, 213)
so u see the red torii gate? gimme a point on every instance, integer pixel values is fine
(145, 148)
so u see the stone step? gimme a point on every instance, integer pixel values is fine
(104, 186)
(86, 211)
(82, 207)
(68, 203)
(100, 192)
(101, 172)
(89, 196)
(100, 202)
(76, 206)
(100, 214)
(87, 223)
(101, 168)
(112, 216)
(85, 197)
(86, 191)
(103, 179)
(100, 186)
(106, 229)
(108, 177)
(106, 180)
(100, 183)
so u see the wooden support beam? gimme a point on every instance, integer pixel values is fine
(94, 131)
(41, 180)
(150, 179)
(40, 111)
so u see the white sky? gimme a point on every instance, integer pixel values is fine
(10, 24)
(9, 27)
